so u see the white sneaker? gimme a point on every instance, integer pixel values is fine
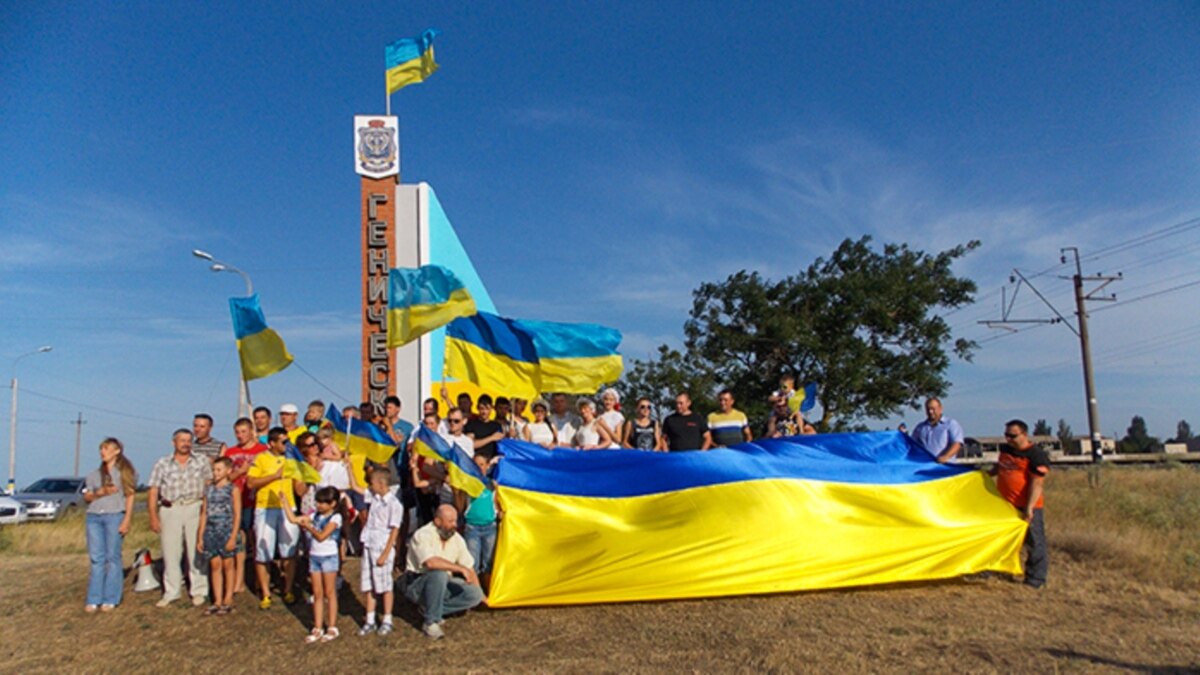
(434, 631)
(198, 600)
(165, 601)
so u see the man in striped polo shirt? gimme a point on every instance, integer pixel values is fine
(204, 444)
(729, 426)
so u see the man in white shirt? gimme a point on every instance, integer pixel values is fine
(565, 422)
(436, 553)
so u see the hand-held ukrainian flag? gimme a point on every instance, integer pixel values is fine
(494, 353)
(261, 349)
(805, 399)
(461, 472)
(295, 467)
(423, 299)
(574, 358)
(410, 60)
(360, 437)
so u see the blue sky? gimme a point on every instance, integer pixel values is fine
(599, 161)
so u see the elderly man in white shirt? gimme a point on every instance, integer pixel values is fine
(436, 553)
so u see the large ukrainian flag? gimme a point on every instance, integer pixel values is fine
(773, 516)
(423, 299)
(261, 349)
(494, 353)
(574, 358)
(522, 358)
(410, 60)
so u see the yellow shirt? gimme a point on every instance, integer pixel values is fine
(295, 433)
(267, 464)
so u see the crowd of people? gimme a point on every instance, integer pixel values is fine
(218, 507)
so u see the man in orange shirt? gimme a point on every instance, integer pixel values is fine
(1020, 474)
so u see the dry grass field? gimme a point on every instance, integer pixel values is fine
(1124, 595)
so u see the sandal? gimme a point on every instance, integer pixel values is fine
(225, 609)
(330, 634)
(314, 636)
(213, 609)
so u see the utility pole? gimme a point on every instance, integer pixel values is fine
(1080, 330)
(78, 433)
(1085, 345)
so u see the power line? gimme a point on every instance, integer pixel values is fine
(1149, 295)
(314, 379)
(108, 411)
(1143, 239)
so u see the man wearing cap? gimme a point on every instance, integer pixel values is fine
(289, 416)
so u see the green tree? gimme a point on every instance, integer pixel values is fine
(1066, 438)
(661, 378)
(1042, 428)
(1183, 432)
(1138, 439)
(863, 324)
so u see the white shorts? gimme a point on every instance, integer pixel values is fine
(271, 530)
(376, 578)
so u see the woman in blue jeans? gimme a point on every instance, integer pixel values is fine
(108, 492)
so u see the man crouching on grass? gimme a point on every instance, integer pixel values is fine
(1020, 474)
(436, 553)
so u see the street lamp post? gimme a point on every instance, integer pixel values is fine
(218, 266)
(12, 421)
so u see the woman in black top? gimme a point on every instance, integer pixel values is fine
(641, 432)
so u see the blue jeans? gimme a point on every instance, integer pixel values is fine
(481, 544)
(1037, 564)
(440, 594)
(104, 540)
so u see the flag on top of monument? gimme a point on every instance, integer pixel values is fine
(805, 399)
(360, 437)
(523, 358)
(260, 348)
(423, 299)
(410, 60)
(461, 472)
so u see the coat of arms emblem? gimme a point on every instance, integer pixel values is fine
(378, 154)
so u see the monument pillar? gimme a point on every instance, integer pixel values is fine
(377, 161)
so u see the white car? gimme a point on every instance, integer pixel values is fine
(12, 512)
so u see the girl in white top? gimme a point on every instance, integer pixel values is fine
(324, 532)
(540, 431)
(611, 419)
(591, 434)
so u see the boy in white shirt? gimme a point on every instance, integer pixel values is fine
(385, 514)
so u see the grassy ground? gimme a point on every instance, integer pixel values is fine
(1124, 594)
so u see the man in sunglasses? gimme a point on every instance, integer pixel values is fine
(455, 434)
(1020, 475)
